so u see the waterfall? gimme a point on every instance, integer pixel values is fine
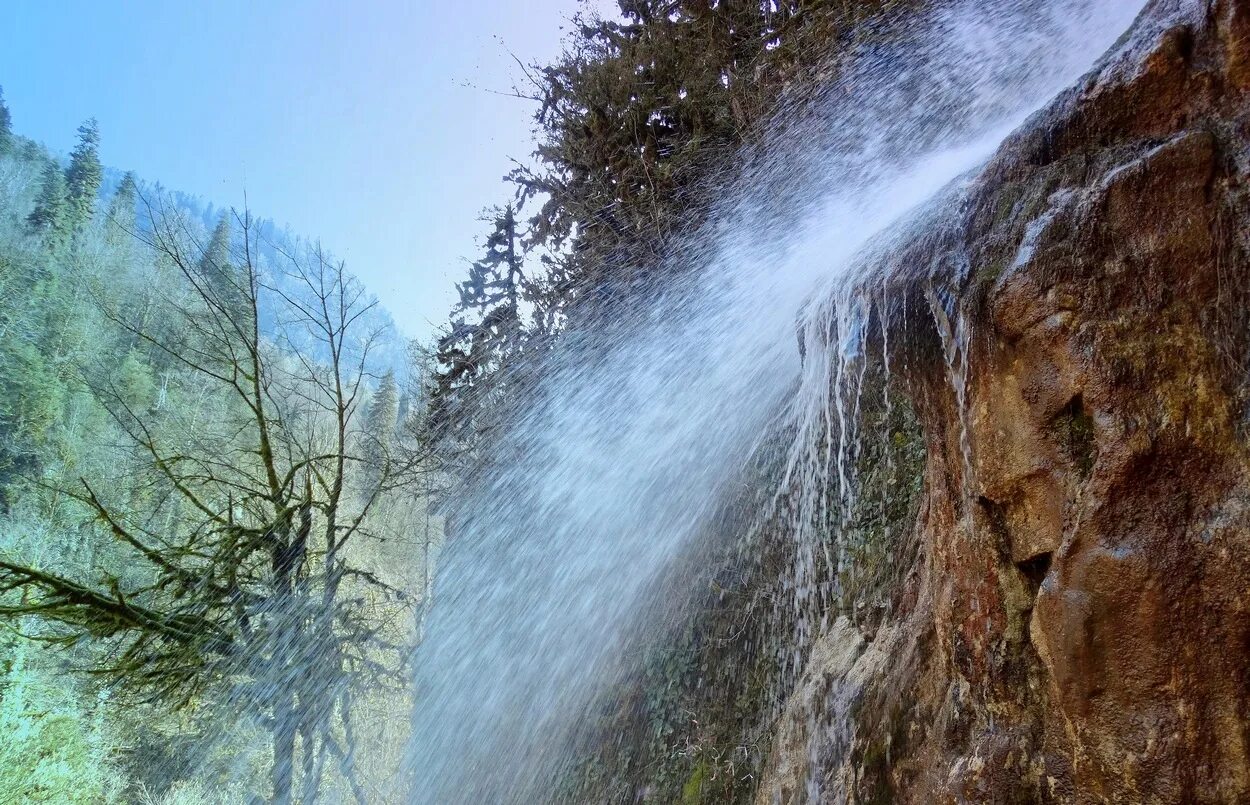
(637, 430)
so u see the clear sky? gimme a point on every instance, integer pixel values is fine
(368, 124)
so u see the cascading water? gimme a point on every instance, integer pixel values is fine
(636, 430)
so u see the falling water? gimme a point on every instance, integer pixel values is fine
(638, 429)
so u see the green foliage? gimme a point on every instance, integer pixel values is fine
(51, 217)
(121, 212)
(217, 254)
(83, 176)
(137, 522)
(6, 126)
(635, 121)
(222, 278)
(637, 116)
(52, 749)
(34, 396)
(486, 335)
(383, 411)
(134, 384)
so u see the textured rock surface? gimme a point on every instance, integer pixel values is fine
(1077, 625)
(1068, 620)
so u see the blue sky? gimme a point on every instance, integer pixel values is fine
(369, 125)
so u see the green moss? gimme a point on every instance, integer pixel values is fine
(1005, 201)
(1074, 429)
(692, 791)
(883, 738)
(890, 471)
(989, 272)
(874, 767)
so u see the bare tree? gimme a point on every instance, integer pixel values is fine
(249, 589)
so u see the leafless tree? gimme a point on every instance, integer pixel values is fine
(250, 589)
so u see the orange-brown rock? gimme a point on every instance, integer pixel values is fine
(1078, 623)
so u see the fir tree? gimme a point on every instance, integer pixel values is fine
(84, 175)
(222, 280)
(486, 330)
(215, 260)
(217, 253)
(6, 126)
(414, 397)
(379, 432)
(121, 215)
(383, 410)
(49, 218)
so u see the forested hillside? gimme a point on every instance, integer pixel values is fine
(206, 483)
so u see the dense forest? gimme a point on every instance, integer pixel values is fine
(210, 476)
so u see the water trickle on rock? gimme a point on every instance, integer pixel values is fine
(640, 429)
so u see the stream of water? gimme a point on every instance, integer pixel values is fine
(635, 433)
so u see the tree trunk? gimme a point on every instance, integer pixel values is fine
(283, 744)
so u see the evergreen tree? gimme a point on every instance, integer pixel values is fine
(223, 281)
(6, 126)
(217, 253)
(486, 330)
(383, 410)
(637, 116)
(121, 214)
(379, 426)
(243, 578)
(414, 397)
(49, 219)
(84, 175)
(120, 384)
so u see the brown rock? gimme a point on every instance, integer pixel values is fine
(1081, 631)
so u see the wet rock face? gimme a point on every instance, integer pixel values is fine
(1078, 628)
(1111, 447)
(1086, 570)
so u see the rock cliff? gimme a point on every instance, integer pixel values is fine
(1075, 626)
(1043, 589)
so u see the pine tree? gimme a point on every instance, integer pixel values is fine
(214, 263)
(6, 126)
(217, 253)
(49, 218)
(84, 175)
(383, 410)
(414, 397)
(121, 214)
(478, 346)
(379, 432)
(223, 280)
